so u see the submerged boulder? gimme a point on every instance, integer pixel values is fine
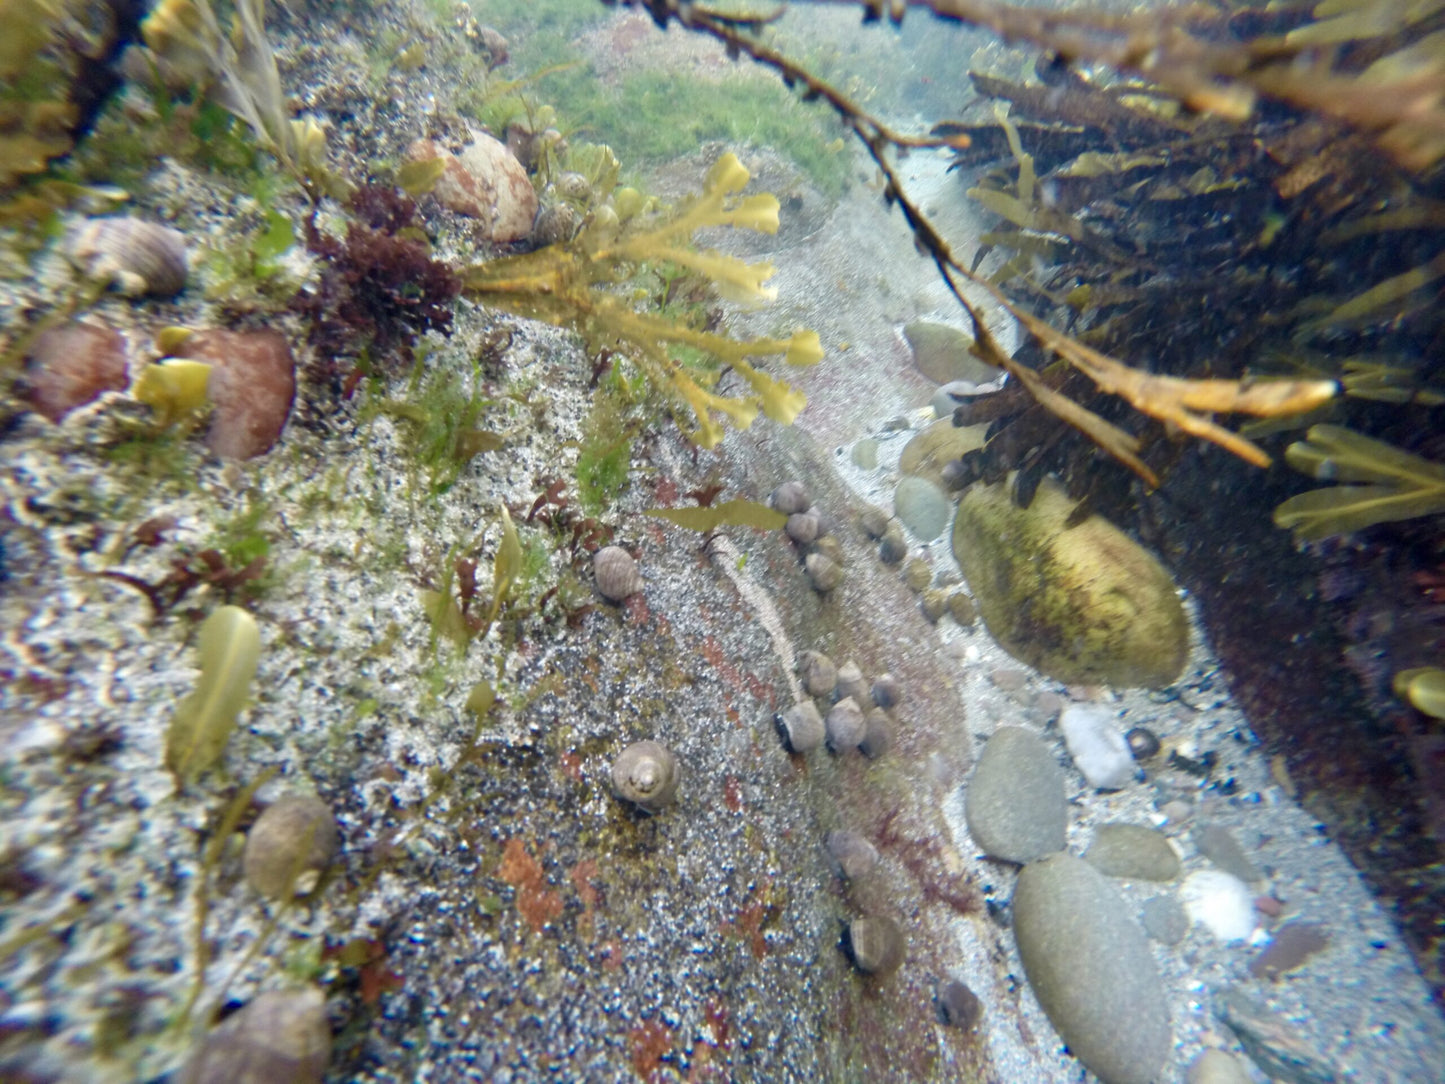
(1083, 604)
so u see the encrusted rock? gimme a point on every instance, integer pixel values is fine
(1082, 603)
(486, 182)
(251, 388)
(71, 365)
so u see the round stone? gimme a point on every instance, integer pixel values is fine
(922, 508)
(1091, 968)
(1133, 852)
(1015, 805)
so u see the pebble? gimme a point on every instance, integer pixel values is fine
(486, 182)
(71, 365)
(1271, 1043)
(1133, 852)
(1217, 843)
(922, 507)
(1165, 919)
(252, 386)
(1220, 902)
(1014, 803)
(1092, 970)
(1293, 945)
(1216, 1067)
(865, 454)
(958, 1006)
(1098, 750)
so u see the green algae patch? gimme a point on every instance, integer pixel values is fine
(1082, 604)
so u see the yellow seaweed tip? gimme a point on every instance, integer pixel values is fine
(174, 389)
(169, 340)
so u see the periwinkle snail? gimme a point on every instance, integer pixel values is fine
(790, 498)
(802, 727)
(290, 846)
(820, 676)
(875, 944)
(852, 855)
(616, 573)
(282, 1035)
(646, 774)
(845, 725)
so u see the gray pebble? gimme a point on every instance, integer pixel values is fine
(1165, 919)
(1218, 844)
(1133, 852)
(922, 507)
(865, 454)
(1015, 804)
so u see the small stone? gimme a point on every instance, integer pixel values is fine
(922, 507)
(941, 443)
(71, 365)
(1165, 919)
(941, 353)
(917, 574)
(934, 603)
(1133, 852)
(1216, 1067)
(1220, 902)
(1009, 680)
(958, 1006)
(1176, 811)
(1014, 804)
(1217, 843)
(873, 520)
(1290, 949)
(1098, 750)
(961, 607)
(1092, 970)
(878, 734)
(865, 454)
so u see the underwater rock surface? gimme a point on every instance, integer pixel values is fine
(1083, 604)
(1091, 968)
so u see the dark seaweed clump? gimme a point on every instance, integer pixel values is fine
(380, 290)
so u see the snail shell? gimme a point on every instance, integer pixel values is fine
(892, 547)
(802, 527)
(852, 854)
(790, 498)
(873, 520)
(820, 676)
(290, 846)
(827, 545)
(962, 609)
(851, 683)
(646, 774)
(954, 475)
(616, 573)
(887, 691)
(825, 573)
(136, 257)
(281, 1035)
(876, 944)
(958, 1006)
(1143, 743)
(573, 186)
(845, 725)
(917, 574)
(802, 727)
(877, 734)
(934, 604)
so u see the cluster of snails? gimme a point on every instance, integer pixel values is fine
(857, 716)
(874, 943)
(947, 598)
(823, 555)
(887, 532)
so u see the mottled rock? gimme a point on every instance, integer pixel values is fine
(1090, 967)
(486, 182)
(1165, 919)
(252, 386)
(1133, 852)
(942, 442)
(1015, 804)
(922, 508)
(71, 365)
(1096, 746)
(1084, 604)
(941, 353)
(1217, 843)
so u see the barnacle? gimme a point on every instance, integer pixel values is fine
(566, 284)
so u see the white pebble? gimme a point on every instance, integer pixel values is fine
(1096, 745)
(1220, 902)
